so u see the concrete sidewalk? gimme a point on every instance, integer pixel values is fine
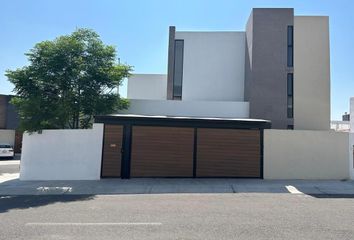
(184, 185)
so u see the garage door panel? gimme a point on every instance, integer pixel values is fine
(228, 153)
(112, 158)
(162, 152)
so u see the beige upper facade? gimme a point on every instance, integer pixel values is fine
(311, 73)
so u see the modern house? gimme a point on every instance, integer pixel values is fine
(277, 69)
(223, 109)
(206, 116)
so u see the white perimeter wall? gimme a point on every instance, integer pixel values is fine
(7, 136)
(188, 108)
(351, 155)
(311, 73)
(147, 86)
(351, 138)
(305, 154)
(62, 154)
(213, 65)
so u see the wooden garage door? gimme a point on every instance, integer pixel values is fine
(162, 152)
(112, 157)
(228, 153)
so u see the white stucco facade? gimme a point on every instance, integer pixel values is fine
(213, 66)
(147, 86)
(311, 73)
(62, 154)
(302, 154)
(7, 136)
(189, 108)
(352, 114)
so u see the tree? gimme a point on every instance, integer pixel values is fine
(67, 82)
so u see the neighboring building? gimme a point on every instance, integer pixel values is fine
(346, 117)
(8, 115)
(277, 69)
(9, 122)
(340, 126)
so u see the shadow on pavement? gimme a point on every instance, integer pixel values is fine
(332, 195)
(16, 157)
(31, 201)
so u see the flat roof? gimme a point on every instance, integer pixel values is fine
(183, 121)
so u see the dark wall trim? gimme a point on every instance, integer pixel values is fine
(195, 144)
(262, 153)
(104, 132)
(184, 122)
(126, 151)
(171, 61)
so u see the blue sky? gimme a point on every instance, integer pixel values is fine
(139, 30)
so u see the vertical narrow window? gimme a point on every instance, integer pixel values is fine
(290, 91)
(290, 46)
(178, 70)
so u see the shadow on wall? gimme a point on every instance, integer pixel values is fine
(31, 201)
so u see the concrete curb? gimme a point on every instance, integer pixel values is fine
(176, 186)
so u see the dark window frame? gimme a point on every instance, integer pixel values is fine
(290, 45)
(178, 69)
(290, 95)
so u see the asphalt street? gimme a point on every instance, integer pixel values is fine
(177, 216)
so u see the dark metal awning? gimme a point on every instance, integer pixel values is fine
(184, 121)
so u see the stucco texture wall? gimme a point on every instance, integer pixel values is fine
(311, 73)
(62, 154)
(188, 108)
(305, 154)
(213, 66)
(7, 136)
(147, 86)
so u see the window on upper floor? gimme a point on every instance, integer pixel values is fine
(290, 94)
(178, 70)
(290, 46)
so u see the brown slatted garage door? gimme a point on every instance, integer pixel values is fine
(112, 157)
(228, 153)
(162, 151)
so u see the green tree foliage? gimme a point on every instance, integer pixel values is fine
(67, 82)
